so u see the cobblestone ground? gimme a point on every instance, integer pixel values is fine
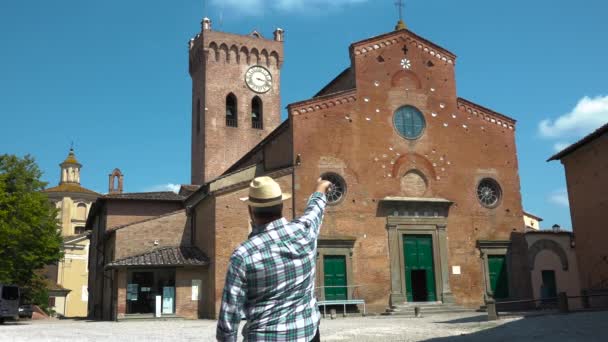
(461, 327)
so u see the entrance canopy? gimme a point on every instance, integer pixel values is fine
(164, 257)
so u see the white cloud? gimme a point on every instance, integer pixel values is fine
(588, 114)
(560, 197)
(256, 7)
(164, 187)
(560, 146)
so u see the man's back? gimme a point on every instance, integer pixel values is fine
(271, 277)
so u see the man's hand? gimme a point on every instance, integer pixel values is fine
(323, 186)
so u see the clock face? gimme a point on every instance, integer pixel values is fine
(258, 79)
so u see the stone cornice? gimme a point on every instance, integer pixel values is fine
(486, 114)
(403, 36)
(322, 102)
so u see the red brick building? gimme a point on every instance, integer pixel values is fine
(427, 206)
(586, 166)
(429, 188)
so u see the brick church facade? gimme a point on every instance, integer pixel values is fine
(428, 205)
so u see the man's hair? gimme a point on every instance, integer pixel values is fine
(267, 213)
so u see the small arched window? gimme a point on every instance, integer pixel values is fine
(81, 211)
(257, 113)
(231, 111)
(198, 116)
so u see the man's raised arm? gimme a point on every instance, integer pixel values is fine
(313, 215)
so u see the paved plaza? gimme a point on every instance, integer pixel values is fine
(453, 327)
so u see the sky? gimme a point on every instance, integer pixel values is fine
(112, 76)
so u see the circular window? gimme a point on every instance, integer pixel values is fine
(489, 193)
(409, 122)
(337, 191)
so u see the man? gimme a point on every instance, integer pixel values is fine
(271, 276)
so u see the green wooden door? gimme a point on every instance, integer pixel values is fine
(499, 280)
(418, 255)
(334, 268)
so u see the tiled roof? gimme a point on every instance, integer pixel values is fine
(596, 134)
(151, 196)
(165, 256)
(188, 189)
(71, 187)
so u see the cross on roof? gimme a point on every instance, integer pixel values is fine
(400, 6)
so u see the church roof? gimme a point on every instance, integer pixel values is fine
(71, 188)
(146, 196)
(584, 141)
(344, 81)
(165, 256)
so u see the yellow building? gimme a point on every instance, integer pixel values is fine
(73, 202)
(531, 221)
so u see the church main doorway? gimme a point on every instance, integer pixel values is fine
(419, 268)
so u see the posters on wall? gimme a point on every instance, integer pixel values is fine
(168, 299)
(132, 290)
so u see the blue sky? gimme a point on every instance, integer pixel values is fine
(113, 77)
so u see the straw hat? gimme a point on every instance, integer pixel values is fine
(265, 192)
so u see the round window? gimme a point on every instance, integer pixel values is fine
(337, 191)
(409, 122)
(489, 193)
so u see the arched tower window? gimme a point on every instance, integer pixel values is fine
(231, 111)
(257, 113)
(198, 116)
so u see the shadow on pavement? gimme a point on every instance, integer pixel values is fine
(474, 319)
(572, 327)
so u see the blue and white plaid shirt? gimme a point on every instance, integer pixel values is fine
(271, 279)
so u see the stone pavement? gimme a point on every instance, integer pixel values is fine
(451, 327)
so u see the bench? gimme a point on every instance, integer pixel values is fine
(344, 303)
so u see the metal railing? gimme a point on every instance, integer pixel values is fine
(320, 291)
(257, 124)
(231, 122)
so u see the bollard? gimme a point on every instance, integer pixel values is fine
(332, 313)
(417, 312)
(491, 308)
(562, 301)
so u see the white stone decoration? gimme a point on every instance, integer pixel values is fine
(366, 99)
(464, 126)
(434, 114)
(406, 63)
(456, 270)
(445, 124)
(442, 105)
(368, 119)
(377, 110)
(432, 89)
(376, 83)
(453, 116)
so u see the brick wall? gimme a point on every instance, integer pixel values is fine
(587, 179)
(121, 295)
(125, 212)
(169, 230)
(184, 305)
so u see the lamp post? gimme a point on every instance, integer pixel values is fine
(556, 228)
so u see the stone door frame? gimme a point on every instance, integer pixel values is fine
(494, 247)
(342, 246)
(398, 227)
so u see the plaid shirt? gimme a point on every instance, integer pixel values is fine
(271, 279)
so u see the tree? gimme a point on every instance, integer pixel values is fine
(29, 234)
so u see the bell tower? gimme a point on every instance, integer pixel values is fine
(236, 96)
